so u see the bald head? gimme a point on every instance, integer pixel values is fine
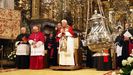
(23, 30)
(35, 28)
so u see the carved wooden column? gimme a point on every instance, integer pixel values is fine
(35, 9)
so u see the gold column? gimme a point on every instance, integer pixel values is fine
(131, 15)
(35, 9)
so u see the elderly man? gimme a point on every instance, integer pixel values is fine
(36, 40)
(66, 45)
(22, 53)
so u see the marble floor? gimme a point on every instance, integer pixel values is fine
(52, 72)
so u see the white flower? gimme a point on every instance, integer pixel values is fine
(132, 59)
(121, 71)
(131, 73)
(124, 62)
(129, 59)
(128, 64)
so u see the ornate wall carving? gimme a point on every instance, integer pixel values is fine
(121, 12)
(76, 9)
(59, 9)
(9, 23)
(35, 9)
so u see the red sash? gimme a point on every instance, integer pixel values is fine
(106, 59)
(130, 47)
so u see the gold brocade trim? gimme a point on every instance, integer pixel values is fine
(63, 44)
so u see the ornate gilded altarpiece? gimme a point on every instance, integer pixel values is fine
(57, 10)
(76, 10)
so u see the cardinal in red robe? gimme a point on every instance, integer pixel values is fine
(36, 41)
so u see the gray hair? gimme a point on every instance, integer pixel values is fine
(64, 21)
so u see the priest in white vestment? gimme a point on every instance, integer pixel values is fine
(22, 52)
(66, 45)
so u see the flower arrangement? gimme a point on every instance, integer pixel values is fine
(12, 55)
(127, 66)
